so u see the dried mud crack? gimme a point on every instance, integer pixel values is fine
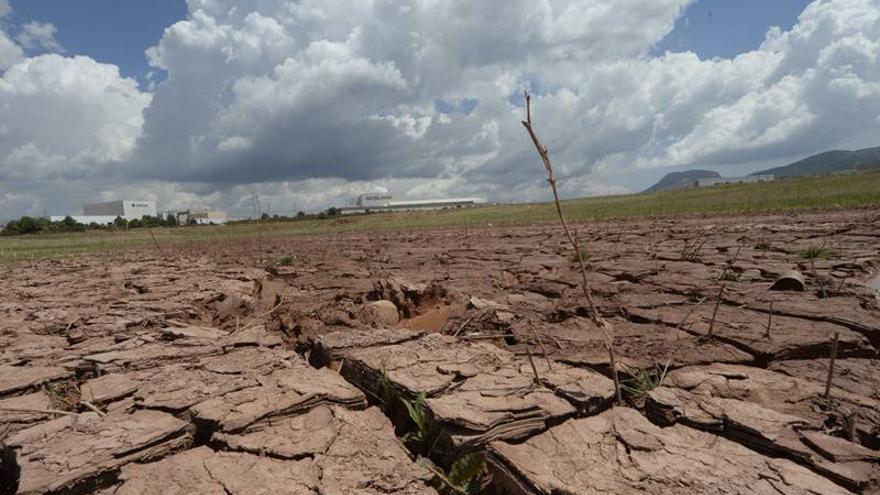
(186, 374)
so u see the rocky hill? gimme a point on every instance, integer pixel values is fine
(677, 180)
(828, 162)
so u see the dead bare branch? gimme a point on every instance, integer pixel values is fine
(598, 320)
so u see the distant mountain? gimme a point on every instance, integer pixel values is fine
(677, 180)
(828, 162)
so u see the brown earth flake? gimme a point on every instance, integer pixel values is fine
(86, 450)
(620, 451)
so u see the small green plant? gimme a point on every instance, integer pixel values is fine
(284, 261)
(730, 276)
(644, 380)
(585, 255)
(815, 251)
(422, 437)
(466, 473)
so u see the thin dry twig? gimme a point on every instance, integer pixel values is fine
(831, 365)
(258, 210)
(721, 291)
(483, 337)
(257, 318)
(541, 345)
(598, 320)
(680, 325)
(532, 362)
(156, 243)
(818, 280)
(37, 411)
(93, 408)
(463, 326)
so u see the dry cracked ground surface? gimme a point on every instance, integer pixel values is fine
(175, 371)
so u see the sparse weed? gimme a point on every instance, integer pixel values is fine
(764, 245)
(730, 276)
(693, 250)
(815, 251)
(284, 261)
(644, 380)
(585, 255)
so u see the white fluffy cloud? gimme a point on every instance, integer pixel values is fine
(305, 102)
(289, 91)
(10, 53)
(64, 121)
(66, 118)
(36, 35)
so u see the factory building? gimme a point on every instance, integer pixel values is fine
(374, 202)
(125, 208)
(106, 213)
(202, 217)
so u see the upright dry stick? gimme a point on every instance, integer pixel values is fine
(258, 212)
(831, 365)
(604, 326)
(818, 280)
(532, 362)
(721, 292)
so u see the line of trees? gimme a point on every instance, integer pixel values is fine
(300, 215)
(34, 225)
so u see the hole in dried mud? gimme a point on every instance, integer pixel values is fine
(10, 471)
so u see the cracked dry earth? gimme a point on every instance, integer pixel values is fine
(204, 373)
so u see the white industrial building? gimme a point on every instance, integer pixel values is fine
(383, 201)
(125, 208)
(106, 213)
(202, 217)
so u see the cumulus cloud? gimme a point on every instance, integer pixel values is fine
(10, 53)
(349, 91)
(66, 123)
(66, 118)
(307, 102)
(36, 35)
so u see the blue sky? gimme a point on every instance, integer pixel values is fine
(119, 31)
(112, 31)
(726, 28)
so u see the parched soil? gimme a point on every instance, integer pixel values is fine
(182, 371)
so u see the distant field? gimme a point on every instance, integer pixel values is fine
(831, 192)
